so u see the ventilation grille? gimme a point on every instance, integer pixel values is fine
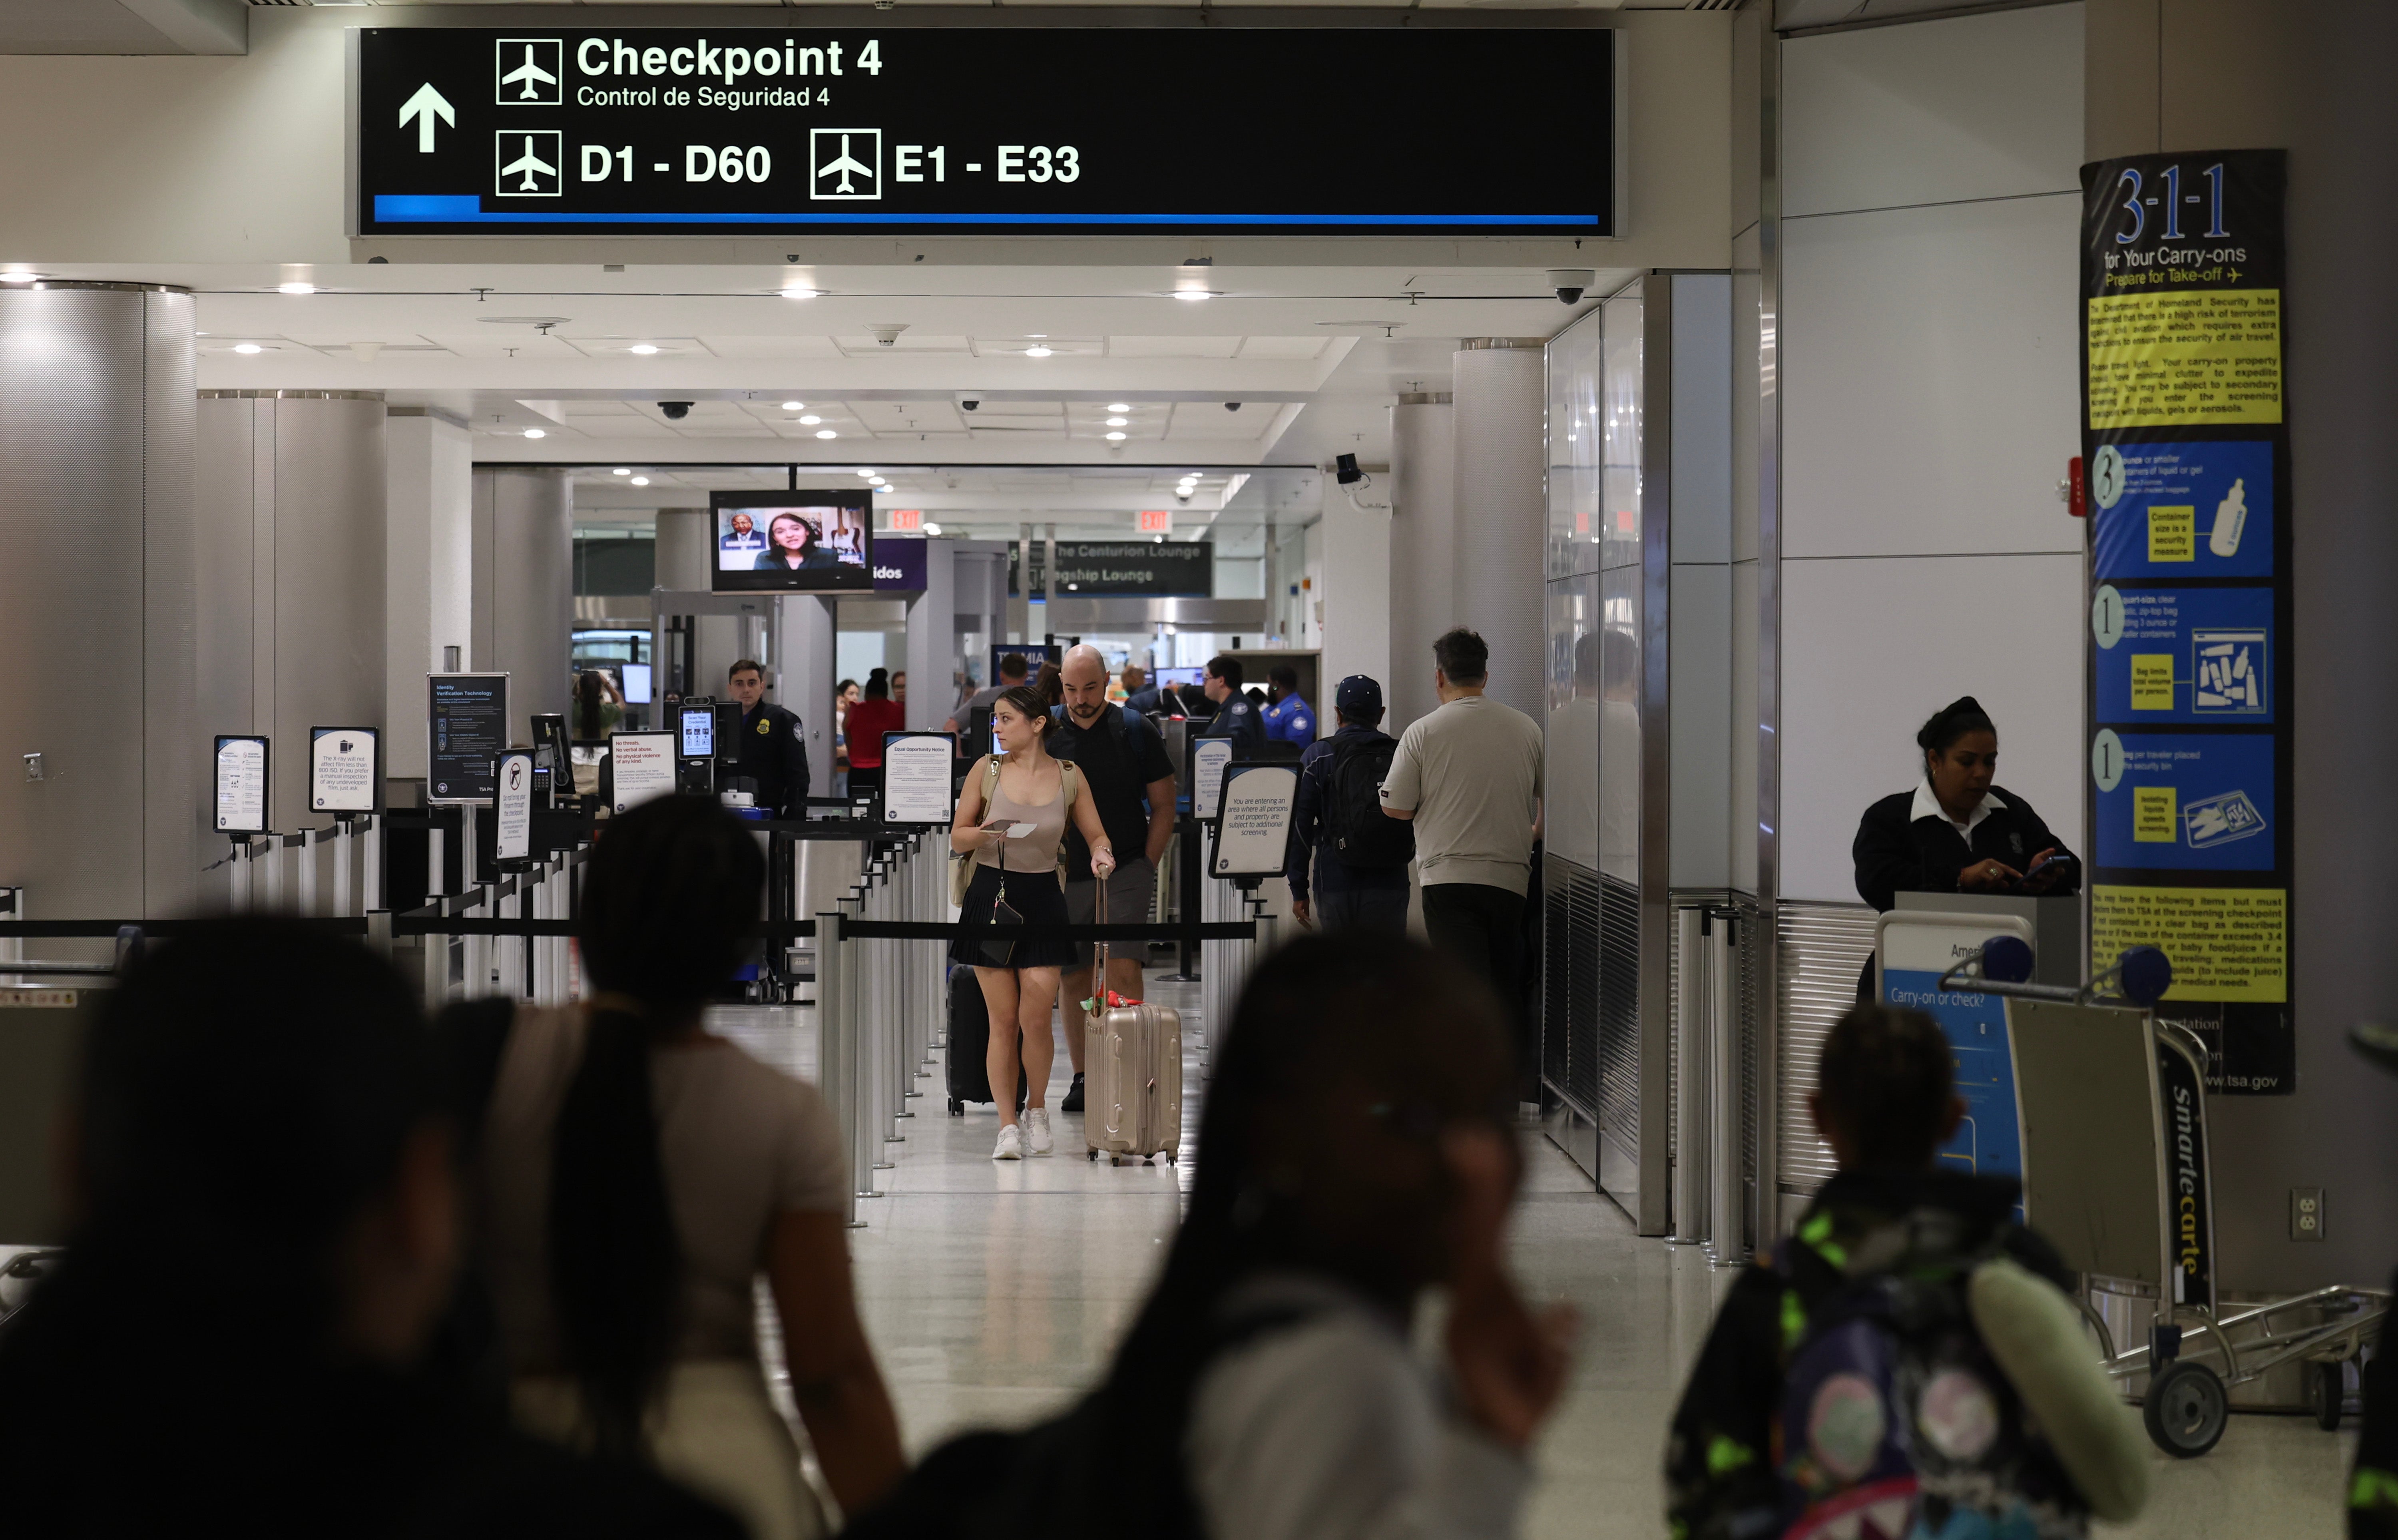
(1619, 1011)
(1823, 947)
(1569, 984)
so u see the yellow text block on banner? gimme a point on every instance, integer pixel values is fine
(2152, 681)
(2173, 534)
(2153, 814)
(2178, 359)
(2225, 943)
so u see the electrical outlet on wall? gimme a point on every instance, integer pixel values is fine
(2306, 1213)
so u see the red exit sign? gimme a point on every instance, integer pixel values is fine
(1155, 520)
(907, 518)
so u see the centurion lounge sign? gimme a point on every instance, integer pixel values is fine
(981, 131)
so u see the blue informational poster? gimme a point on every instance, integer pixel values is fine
(1989, 1141)
(2183, 510)
(2184, 654)
(2186, 802)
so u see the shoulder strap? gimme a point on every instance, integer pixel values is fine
(1067, 780)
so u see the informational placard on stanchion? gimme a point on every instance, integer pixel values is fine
(241, 783)
(1209, 758)
(344, 770)
(512, 830)
(1253, 823)
(916, 778)
(644, 768)
(466, 726)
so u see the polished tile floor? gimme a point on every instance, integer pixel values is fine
(995, 1292)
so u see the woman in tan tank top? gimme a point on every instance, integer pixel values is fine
(1010, 791)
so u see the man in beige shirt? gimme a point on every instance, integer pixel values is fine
(1469, 777)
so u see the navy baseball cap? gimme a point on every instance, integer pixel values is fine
(1358, 692)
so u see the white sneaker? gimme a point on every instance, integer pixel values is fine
(1041, 1142)
(1011, 1144)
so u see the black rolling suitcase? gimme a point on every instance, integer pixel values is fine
(970, 1045)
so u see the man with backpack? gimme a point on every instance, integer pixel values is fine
(1360, 857)
(1908, 1363)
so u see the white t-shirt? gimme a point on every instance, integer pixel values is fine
(1472, 773)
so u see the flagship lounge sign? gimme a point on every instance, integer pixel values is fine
(1024, 130)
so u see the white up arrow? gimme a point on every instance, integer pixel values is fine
(425, 105)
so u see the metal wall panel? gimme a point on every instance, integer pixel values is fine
(96, 616)
(524, 585)
(291, 586)
(1820, 948)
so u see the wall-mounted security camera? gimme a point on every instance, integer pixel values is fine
(674, 412)
(1232, 406)
(1183, 498)
(886, 333)
(1344, 469)
(968, 406)
(1569, 282)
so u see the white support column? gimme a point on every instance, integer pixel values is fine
(1422, 551)
(428, 576)
(1354, 586)
(1502, 510)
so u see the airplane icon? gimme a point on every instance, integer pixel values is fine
(526, 163)
(528, 73)
(529, 164)
(846, 164)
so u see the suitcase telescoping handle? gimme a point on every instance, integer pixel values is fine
(1099, 952)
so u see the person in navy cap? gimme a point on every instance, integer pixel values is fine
(1290, 719)
(1360, 857)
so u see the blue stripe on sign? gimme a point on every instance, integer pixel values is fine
(442, 209)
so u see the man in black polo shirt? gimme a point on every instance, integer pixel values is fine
(1131, 782)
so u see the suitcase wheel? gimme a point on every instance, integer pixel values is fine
(1148, 1160)
(1113, 1161)
(1169, 1158)
(957, 1108)
(1093, 1156)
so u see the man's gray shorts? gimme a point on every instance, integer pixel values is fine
(1130, 892)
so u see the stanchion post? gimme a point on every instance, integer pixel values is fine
(837, 1052)
(308, 872)
(342, 884)
(370, 869)
(1186, 857)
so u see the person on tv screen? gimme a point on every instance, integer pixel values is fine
(794, 546)
(740, 546)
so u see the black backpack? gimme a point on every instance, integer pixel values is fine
(1357, 828)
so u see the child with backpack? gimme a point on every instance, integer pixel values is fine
(1908, 1363)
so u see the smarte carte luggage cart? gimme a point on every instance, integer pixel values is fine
(2132, 1197)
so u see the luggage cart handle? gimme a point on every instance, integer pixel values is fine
(2002, 965)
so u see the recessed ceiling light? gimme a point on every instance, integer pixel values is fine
(795, 406)
(1119, 421)
(1118, 406)
(248, 347)
(640, 480)
(1036, 351)
(797, 292)
(645, 349)
(867, 471)
(536, 433)
(827, 433)
(1194, 293)
(811, 419)
(1115, 438)
(932, 529)
(622, 470)
(1036, 336)
(31, 278)
(295, 288)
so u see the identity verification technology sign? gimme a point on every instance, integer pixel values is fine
(1030, 130)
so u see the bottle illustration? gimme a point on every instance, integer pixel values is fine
(2230, 517)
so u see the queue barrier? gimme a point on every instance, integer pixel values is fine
(881, 994)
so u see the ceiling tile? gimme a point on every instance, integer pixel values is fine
(772, 347)
(1173, 348)
(864, 346)
(511, 343)
(619, 348)
(1283, 348)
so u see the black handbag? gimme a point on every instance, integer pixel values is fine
(997, 951)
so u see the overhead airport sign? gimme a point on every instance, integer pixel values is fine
(980, 130)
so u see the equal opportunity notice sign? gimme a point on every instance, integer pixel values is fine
(2185, 446)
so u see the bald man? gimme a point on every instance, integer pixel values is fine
(1124, 763)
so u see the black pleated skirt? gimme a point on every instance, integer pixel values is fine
(1033, 895)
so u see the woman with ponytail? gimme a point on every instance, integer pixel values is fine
(1957, 832)
(636, 1173)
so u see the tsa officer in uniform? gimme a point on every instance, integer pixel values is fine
(1236, 716)
(1288, 717)
(1956, 832)
(773, 751)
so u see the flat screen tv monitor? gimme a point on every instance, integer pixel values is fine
(636, 683)
(793, 541)
(1178, 677)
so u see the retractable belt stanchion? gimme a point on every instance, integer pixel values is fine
(307, 883)
(837, 1051)
(896, 956)
(370, 869)
(343, 870)
(884, 1024)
